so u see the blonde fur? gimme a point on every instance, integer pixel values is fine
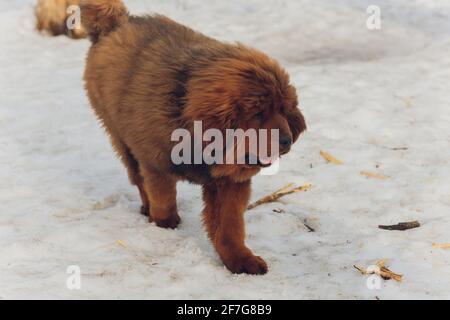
(51, 17)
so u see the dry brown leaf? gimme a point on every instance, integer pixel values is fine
(329, 158)
(373, 175)
(402, 226)
(387, 274)
(382, 271)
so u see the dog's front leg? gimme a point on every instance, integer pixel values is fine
(225, 205)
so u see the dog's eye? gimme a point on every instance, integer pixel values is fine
(260, 115)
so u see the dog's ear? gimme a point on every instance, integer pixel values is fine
(100, 17)
(294, 117)
(296, 122)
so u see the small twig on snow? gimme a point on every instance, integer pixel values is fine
(279, 194)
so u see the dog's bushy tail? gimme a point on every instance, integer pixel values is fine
(100, 17)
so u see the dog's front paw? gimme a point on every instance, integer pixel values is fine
(171, 222)
(249, 264)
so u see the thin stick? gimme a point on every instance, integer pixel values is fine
(441, 245)
(402, 226)
(277, 195)
(400, 149)
(395, 148)
(310, 229)
(368, 174)
(285, 188)
(329, 158)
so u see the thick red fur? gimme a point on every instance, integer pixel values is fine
(148, 76)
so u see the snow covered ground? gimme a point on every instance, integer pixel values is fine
(65, 198)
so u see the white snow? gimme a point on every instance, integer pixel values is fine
(65, 198)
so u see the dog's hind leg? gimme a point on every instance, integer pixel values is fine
(136, 178)
(162, 193)
(134, 172)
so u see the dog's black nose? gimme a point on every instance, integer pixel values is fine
(285, 142)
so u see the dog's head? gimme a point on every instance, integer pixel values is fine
(248, 92)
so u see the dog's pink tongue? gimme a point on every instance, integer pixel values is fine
(265, 161)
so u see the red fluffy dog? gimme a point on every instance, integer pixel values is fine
(148, 76)
(52, 15)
